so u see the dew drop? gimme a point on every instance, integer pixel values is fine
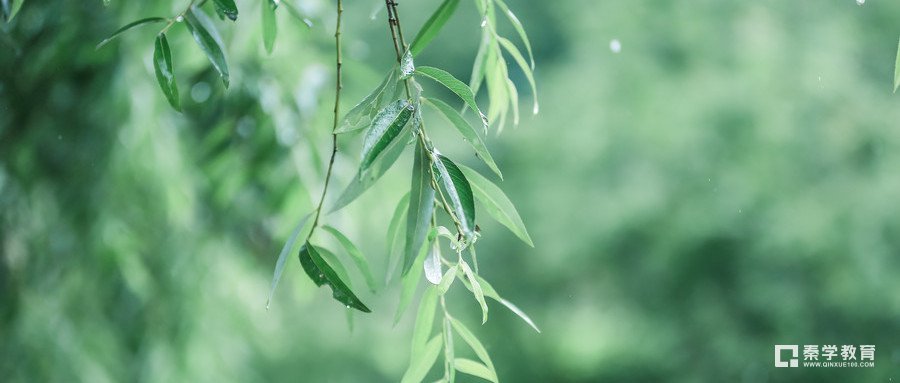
(536, 108)
(615, 46)
(484, 21)
(179, 19)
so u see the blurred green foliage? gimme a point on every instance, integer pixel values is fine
(726, 182)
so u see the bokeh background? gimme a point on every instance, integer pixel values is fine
(727, 181)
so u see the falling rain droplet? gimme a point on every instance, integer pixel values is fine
(615, 46)
(860, 2)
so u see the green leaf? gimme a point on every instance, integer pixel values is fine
(431, 27)
(207, 37)
(282, 258)
(361, 263)
(394, 228)
(468, 132)
(432, 265)
(478, 66)
(897, 70)
(362, 182)
(332, 260)
(497, 204)
(519, 28)
(473, 342)
(421, 208)
(476, 289)
(458, 87)
(385, 128)
(449, 350)
(517, 56)
(408, 285)
(447, 279)
(127, 27)
(407, 66)
(457, 190)
(358, 117)
(228, 8)
(471, 367)
(165, 74)
(423, 362)
(424, 322)
(321, 273)
(269, 25)
(489, 291)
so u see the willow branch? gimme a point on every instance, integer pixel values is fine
(337, 105)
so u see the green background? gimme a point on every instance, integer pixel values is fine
(727, 182)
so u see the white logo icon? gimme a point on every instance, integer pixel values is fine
(778, 354)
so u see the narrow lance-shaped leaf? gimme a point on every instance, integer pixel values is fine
(227, 8)
(476, 289)
(385, 129)
(424, 322)
(471, 367)
(458, 87)
(432, 266)
(207, 37)
(517, 56)
(518, 27)
(409, 283)
(479, 64)
(355, 118)
(398, 219)
(497, 204)
(269, 25)
(473, 343)
(468, 132)
(322, 273)
(361, 263)
(283, 257)
(449, 350)
(149, 20)
(407, 66)
(897, 70)
(363, 181)
(165, 75)
(431, 27)
(421, 207)
(490, 292)
(423, 362)
(447, 279)
(457, 190)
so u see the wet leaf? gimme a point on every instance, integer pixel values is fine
(227, 8)
(421, 207)
(518, 27)
(473, 342)
(458, 87)
(457, 191)
(355, 254)
(385, 128)
(360, 115)
(517, 56)
(321, 273)
(467, 130)
(165, 74)
(407, 67)
(432, 266)
(497, 204)
(149, 20)
(207, 37)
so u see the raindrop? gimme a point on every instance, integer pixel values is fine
(860, 2)
(179, 19)
(484, 21)
(348, 306)
(615, 46)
